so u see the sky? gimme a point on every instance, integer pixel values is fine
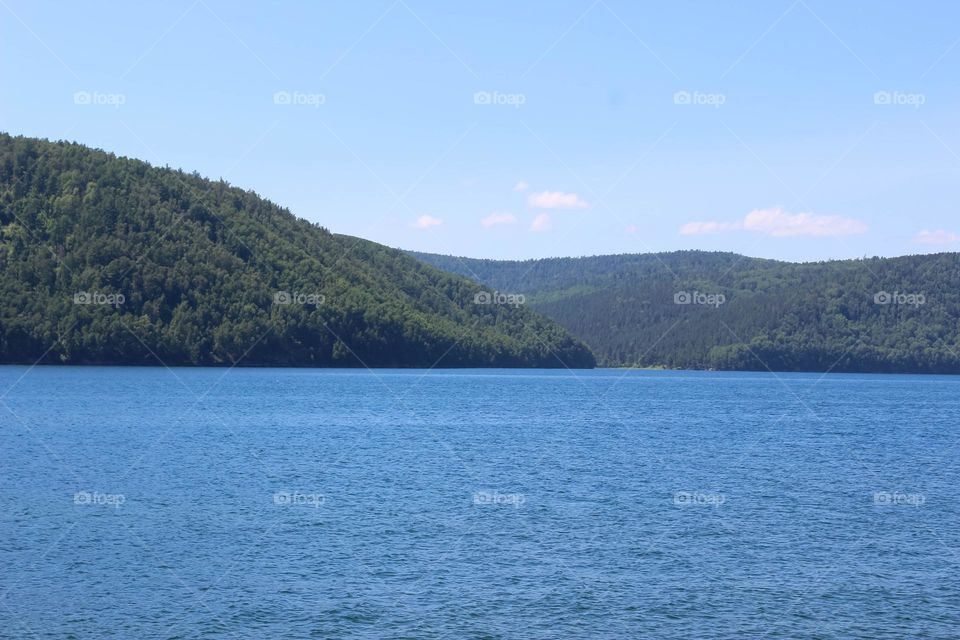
(790, 129)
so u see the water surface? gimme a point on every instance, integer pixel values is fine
(291, 503)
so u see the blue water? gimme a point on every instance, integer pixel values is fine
(266, 503)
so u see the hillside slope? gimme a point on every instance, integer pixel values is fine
(110, 260)
(696, 309)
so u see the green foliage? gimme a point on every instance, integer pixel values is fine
(783, 316)
(198, 264)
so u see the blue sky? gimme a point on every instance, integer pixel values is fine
(799, 130)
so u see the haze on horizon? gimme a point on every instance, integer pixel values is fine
(797, 130)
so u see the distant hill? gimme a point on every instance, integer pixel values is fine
(110, 260)
(666, 310)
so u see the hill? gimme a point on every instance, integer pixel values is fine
(702, 310)
(110, 260)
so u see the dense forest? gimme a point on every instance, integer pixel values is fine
(704, 310)
(110, 260)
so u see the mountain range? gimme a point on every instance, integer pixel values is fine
(708, 310)
(109, 260)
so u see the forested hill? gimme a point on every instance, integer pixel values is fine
(694, 309)
(110, 260)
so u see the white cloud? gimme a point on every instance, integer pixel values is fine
(556, 200)
(940, 236)
(776, 222)
(521, 186)
(498, 218)
(425, 222)
(632, 228)
(706, 228)
(540, 223)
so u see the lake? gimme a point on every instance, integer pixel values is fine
(295, 503)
